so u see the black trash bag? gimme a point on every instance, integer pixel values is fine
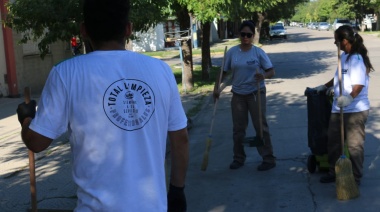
(318, 114)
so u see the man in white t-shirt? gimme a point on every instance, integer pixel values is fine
(119, 107)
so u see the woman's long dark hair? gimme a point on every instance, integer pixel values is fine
(357, 45)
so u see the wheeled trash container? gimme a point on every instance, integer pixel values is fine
(318, 115)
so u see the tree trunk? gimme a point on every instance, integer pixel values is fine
(183, 17)
(87, 47)
(259, 22)
(206, 55)
(187, 75)
(128, 44)
(378, 21)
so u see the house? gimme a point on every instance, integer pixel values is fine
(21, 64)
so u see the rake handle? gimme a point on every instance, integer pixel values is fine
(209, 140)
(259, 107)
(32, 168)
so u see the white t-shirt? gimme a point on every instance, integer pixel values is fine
(353, 73)
(243, 65)
(118, 107)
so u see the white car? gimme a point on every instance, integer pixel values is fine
(340, 22)
(277, 31)
(323, 26)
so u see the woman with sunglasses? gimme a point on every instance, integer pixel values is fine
(249, 66)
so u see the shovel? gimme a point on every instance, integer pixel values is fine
(258, 141)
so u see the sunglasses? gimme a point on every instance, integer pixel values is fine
(243, 34)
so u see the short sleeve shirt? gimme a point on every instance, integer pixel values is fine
(118, 107)
(244, 65)
(353, 73)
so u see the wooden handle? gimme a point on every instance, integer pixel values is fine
(27, 95)
(32, 168)
(222, 67)
(339, 71)
(32, 176)
(340, 94)
(259, 104)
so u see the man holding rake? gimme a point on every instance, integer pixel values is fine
(119, 107)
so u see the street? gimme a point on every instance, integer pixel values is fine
(307, 58)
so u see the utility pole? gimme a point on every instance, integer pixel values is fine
(10, 62)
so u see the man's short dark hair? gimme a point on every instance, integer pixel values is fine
(106, 20)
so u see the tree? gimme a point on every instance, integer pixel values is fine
(324, 10)
(206, 12)
(328, 10)
(45, 20)
(48, 21)
(375, 4)
(259, 11)
(183, 18)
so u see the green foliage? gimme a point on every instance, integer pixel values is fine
(148, 13)
(328, 10)
(283, 10)
(324, 10)
(44, 20)
(48, 21)
(344, 9)
(204, 11)
(246, 9)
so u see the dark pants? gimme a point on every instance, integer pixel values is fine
(354, 134)
(242, 105)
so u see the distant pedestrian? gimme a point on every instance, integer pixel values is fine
(119, 107)
(243, 60)
(75, 46)
(356, 67)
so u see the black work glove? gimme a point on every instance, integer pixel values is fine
(26, 110)
(176, 199)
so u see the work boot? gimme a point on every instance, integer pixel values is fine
(266, 166)
(236, 164)
(329, 178)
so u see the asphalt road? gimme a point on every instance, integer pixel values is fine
(306, 59)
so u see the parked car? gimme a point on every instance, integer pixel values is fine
(277, 31)
(323, 26)
(314, 25)
(340, 22)
(280, 24)
(311, 25)
(355, 25)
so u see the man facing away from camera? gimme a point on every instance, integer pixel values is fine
(118, 107)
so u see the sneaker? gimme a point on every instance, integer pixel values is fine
(266, 166)
(236, 164)
(329, 178)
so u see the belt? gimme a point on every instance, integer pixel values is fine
(262, 90)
